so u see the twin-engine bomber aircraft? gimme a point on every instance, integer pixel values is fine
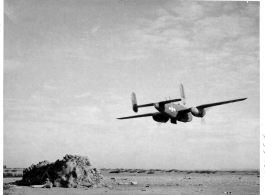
(175, 112)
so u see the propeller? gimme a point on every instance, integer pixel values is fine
(158, 124)
(203, 121)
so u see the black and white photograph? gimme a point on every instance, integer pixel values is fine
(131, 97)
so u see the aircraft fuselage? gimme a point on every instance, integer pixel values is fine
(171, 111)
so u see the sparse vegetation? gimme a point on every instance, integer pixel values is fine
(156, 169)
(141, 171)
(151, 172)
(13, 172)
(126, 170)
(116, 171)
(6, 175)
(205, 172)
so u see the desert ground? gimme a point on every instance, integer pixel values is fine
(158, 182)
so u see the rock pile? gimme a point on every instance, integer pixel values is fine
(71, 172)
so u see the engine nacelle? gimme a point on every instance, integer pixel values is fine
(198, 112)
(158, 117)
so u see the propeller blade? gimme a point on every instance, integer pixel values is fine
(158, 124)
(203, 121)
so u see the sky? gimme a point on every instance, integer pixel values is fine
(70, 68)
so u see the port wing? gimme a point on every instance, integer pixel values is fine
(137, 116)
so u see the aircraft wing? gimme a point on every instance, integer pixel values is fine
(137, 116)
(211, 105)
(220, 103)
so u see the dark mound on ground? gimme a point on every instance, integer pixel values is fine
(71, 172)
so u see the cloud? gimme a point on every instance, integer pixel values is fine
(44, 110)
(83, 95)
(10, 12)
(188, 11)
(171, 30)
(11, 65)
(76, 115)
(50, 86)
(95, 29)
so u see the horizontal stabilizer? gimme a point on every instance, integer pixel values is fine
(162, 102)
(137, 116)
(135, 106)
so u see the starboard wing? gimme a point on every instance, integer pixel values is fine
(211, 105)
(220, 103)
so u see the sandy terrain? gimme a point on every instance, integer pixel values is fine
(245, 183)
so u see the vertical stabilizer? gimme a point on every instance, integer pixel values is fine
(182, 94)
(134, 103)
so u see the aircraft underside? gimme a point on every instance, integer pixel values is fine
(163, 118)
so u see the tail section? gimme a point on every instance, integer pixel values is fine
(134, 103)
(182, 94)
(135, 106)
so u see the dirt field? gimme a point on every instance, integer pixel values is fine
(243, 183)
